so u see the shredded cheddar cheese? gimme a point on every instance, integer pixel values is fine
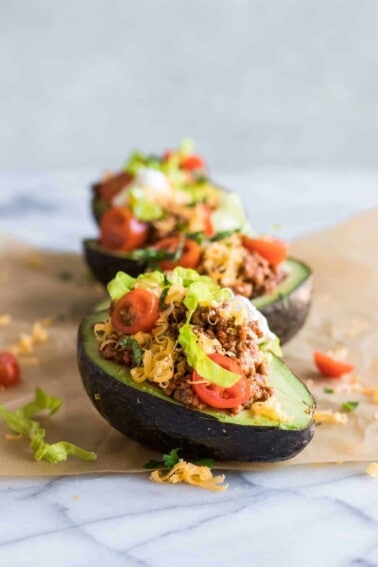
(372, 470)
(26, 342)
(35, 261)
(191, 474)
(5, 320)
(271, 409)
(222, 260)
(331, 417)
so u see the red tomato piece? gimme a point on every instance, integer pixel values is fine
(190, 256)
(137, 310)
(331, 367)
(9, 370)
(110, 187)
(218, 397)
(273, 250)
(120, 230)
(192, 163)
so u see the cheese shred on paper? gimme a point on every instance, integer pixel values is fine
(196, 475)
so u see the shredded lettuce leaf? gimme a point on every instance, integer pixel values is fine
(204, 366)
(120, 285)
(230, 215)
(20, 421)
(146, 211)
(203, 291)
(272, 346)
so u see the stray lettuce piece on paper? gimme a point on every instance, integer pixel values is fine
(20, 421)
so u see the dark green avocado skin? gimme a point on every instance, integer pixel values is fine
(99, 206)
(287, 316)
(105, 266)
(163, 425)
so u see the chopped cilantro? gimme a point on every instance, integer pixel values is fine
(328, 390)
(206, 463)
(196, 236)
(172, 458)
(350, 406)
(168, 461)
(163, 295)
(224, 234)
(137, 351)
(65, 276)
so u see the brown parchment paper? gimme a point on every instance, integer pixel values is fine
(35, 285)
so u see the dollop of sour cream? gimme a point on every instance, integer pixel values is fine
(151, 182)
(240, 303)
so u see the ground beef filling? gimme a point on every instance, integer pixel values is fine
(257, 276)
(236, 341)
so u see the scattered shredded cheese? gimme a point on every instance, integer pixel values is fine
(34, 260)
(13, 436)
(191, 474)
(331, 417)
(26, 342)
(372, 470)
(5, 319)
(31, 360)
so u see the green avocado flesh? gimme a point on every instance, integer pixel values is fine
(296, 274)
(295, 400)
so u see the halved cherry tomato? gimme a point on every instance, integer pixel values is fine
(120, 230)
(192, 163)
(218, 397)
(137, 310)
(272, 249)
(331, 367)
(110, 187)
(9, 370)
(190, 256)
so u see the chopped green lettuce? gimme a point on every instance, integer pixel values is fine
(205, 367)
(146, 211)
(121, 284)
(272, 346)
(230, 215)
(20, 421)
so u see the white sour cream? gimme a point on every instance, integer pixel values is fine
(240, 303)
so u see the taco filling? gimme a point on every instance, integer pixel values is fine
(198, 343)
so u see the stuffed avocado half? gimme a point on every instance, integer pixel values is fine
(180, 362)
(286, 306)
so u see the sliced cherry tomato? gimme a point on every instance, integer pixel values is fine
(208, 223)
(190, 256)
(272, 249)
(331, 367)
(192, 163)
(9, 370)
(120, 230)
(218, 397)
(110, 187)
(136, 311)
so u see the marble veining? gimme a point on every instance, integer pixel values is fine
(316, 516)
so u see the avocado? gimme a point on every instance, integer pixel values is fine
(145, 414)
(286, 308)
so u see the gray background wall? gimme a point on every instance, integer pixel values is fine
(254, 82)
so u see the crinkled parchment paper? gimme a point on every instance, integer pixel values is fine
(36, 285)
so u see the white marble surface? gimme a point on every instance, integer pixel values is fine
(295, 516)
